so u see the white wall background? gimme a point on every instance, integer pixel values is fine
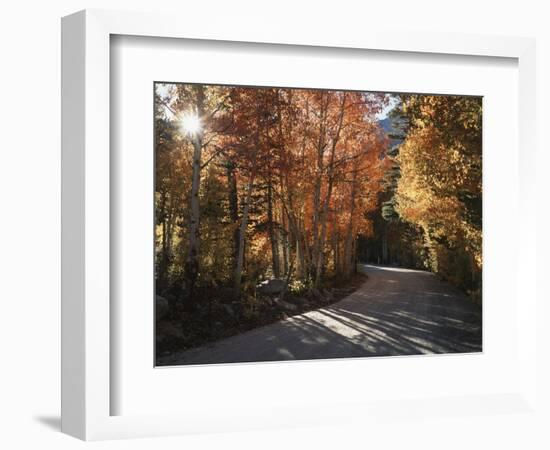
(30, 221)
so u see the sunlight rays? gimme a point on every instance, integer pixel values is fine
(191, 124)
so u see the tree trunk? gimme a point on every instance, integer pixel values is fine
(385, 245)
(324, 214)
(287, 238)
(321, 146)
(242, 232)
(233, 200)
(354, 255)
(348, 252)
(335, 253)
(299, 260)
(161, 270)
(192, 263)
(272, 233)
(244, 221)
(319, 261)
(167, 213)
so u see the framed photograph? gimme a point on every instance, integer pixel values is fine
(296, 224)
(251, 217)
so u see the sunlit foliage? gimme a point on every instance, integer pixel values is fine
(256, 183)
(284, 179)
(439, 188)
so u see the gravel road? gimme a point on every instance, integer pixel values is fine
(395, 312)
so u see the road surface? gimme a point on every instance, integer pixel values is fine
(395, 312)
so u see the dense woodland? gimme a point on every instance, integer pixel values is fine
(299, 185)
(430, 210)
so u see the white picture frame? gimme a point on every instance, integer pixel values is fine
(86, 325)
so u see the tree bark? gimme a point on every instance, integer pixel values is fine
(192, 262)
(167, 215)
(324, 214)
(321, 146)
(233, 200)
(348, 252)
(385, 245)
(246, 207)
(271, 231)
(242, 232)
(286, 239)
(335, 252)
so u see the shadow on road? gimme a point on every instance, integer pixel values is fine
(396, 312)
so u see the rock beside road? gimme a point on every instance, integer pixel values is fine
(285, 305)
(273, 286)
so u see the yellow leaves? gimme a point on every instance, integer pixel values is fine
(440, 163)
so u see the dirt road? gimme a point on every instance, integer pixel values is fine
(395, 312)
